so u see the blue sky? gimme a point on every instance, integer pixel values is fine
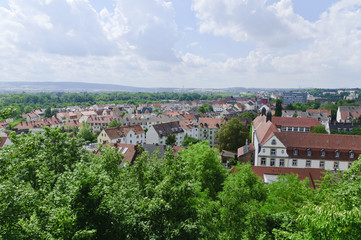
(176, 43)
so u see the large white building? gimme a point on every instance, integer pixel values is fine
(276, 148)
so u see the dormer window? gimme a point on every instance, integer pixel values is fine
(337, 154)
(274, 142)
(323, 153)
(295, 151)
(351, 154)
(309, 152)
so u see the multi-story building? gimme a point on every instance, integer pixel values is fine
(124, 134)
(309, 150)
(294, 97)
(158, 133)
(208, 128)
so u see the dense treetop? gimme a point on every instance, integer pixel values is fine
(50, 188)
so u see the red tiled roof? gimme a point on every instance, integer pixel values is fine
(295, 122)
(320, 141)
(328, 112)
(311, 173)
(128, 150)
(211, 122)
(2, 141)
(122, 131)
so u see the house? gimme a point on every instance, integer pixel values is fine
(37, 125)
(309, 150)
(129, 151)
(287, 124)
(348, 113)
(4, 141)
(208, 128)
(271, 174)
(158, 133)
(189, 128)
(160, 150)
(124, 134)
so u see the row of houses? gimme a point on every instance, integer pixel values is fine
(205, 129)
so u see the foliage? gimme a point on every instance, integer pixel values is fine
(355, 131)
(189, 140)
(204, 108)
(319, 129)
(205, 166)
(47, 113)
(6, 113)
(232, 135)
(171, 139)
(114, 123)
(51, 188)
(278, 108)
(251, 115)
(241, 201)
(85, 134)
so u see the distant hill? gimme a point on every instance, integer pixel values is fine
(6, 87)
(67, 87)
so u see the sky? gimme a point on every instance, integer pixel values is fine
(183, 43)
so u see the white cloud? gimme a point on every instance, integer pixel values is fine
(275, 25)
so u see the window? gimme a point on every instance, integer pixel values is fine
(337, 154)
(273, 151)
(274, 142)
(282, 151)
(349, 164)
(263, 150)
(309, 152)
(322, 164)
(273, 162)
(323, 153)
(284, 129)
(308, 163)
(351, 154)
(335, 165)
(302, 129)
(307, 129)
(263, 162)
(282, 162)
(295, 152)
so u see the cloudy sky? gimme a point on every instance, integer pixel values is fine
(183, 43)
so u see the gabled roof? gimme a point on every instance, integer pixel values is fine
(122, 131)
(320, 141)
(264, 131)
(165, 129)
(312, 174)
(210, 122)
(295, 122)
(3, 141)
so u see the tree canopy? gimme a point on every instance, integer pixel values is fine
(51, 188)
(204, 108)
(232, 135)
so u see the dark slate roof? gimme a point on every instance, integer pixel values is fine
(165, 129)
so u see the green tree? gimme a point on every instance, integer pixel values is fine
(319, 129)
(240, 206)
(6, 113)
(232, 135)
(248, 115)
(171, 139)
(85, 134)
(204, 108)
(114, 123)
(205, 166)
(48, 113)
(278, 109)
(189, 140)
